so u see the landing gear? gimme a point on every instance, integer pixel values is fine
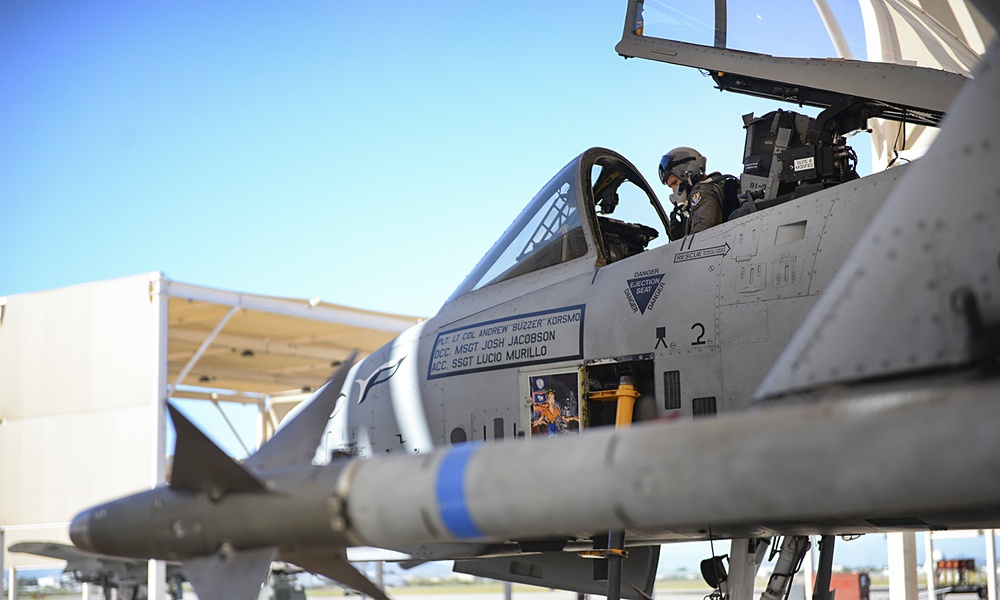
(745, 558)
(736, 583)
(793, 550)
(615, 552)
(822, 590)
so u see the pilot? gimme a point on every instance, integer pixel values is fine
(697, 198)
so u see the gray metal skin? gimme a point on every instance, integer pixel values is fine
(171, 524)
(731, 298)
(857, 462)
(796, 247)
(927, 255)
(880, 415)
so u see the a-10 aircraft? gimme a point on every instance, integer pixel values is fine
(124, 578)
(804, 369)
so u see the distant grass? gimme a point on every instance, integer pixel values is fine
(487, 587)
(429, 590)
(481, 586)
(688, 585)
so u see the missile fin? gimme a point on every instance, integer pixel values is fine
(296, 441)
(332, 563)
(200, 465)
(229, 574)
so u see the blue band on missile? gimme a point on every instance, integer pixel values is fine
(450, 488)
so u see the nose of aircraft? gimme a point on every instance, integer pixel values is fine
(79, 531)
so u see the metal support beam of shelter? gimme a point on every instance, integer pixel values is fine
(902, 565)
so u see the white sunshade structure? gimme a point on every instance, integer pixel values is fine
(86, 371)
(262, 350)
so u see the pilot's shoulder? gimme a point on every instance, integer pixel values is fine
(712, 184)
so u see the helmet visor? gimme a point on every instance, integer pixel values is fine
(670, 163)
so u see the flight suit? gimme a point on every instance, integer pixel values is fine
(705, 204)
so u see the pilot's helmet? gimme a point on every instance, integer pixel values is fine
(686, 163)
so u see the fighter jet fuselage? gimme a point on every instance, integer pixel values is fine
(696, 323)
(870, 304)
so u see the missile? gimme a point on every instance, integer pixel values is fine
(227, 521)
(919, 459)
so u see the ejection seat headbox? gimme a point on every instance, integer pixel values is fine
(788, 155)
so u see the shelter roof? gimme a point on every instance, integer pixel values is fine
(243, 347)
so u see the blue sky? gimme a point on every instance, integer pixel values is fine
(367, 153)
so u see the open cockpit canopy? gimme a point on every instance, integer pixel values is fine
(905, 61)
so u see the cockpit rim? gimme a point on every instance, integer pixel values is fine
(596, 255)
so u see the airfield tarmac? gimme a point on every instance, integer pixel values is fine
(563, 595)
(798, 593)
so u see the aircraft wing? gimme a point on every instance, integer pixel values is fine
(90, 566)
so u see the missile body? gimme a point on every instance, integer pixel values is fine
(919, 460)
(226, 521)
(842, 466)
(298, 509)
